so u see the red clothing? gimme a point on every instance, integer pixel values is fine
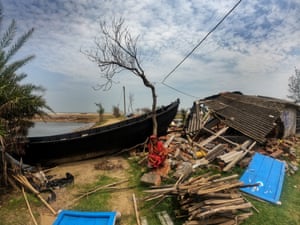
(157, 153)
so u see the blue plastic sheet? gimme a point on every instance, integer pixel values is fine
(268, 173)
(69, 217)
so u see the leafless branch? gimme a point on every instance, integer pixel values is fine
(115, 51)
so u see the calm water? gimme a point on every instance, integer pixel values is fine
(52, 128)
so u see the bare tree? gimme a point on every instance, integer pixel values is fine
(115, 51)
(294, 86)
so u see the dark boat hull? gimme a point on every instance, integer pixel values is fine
(99, 141)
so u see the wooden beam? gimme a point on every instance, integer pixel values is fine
(218, 135)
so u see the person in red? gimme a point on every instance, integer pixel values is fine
(157, 152)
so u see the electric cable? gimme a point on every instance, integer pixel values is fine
(191, 52)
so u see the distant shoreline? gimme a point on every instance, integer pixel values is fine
(69, 117)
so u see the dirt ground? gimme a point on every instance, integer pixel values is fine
(86, 172)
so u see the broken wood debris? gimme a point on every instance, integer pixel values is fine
(213, 146)
(208, 197)
(25, 183)
(29, 208)
(164, 218)
(212, 198)
(201, 154)
(136, 210)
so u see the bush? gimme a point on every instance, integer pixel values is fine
(116, 111)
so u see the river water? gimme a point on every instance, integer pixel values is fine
(53, 128)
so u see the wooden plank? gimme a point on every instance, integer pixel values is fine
(223, 195)
(136, 210)
(238, 158)
(164, 218)
(227, 157)
(200, 162)
(222, 201)
(213, 136)
(168, 142)
(144, 220)
(224, 209)
(216, 151)
(221, 137)
(220, 188)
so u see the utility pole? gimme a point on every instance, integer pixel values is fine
(124, 100)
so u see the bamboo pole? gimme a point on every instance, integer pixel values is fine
(28, 206)
(95, 190)
(23, 180)
(136, 210)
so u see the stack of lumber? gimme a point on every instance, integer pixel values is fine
(209, 199)
(212, 199)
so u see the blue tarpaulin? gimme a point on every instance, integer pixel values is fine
(69, 217)
(268, 173)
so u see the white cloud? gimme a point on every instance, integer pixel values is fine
(254, 50)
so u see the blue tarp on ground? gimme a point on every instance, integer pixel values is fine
(69, 217)
(268, 173)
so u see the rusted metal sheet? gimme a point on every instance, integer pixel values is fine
(254, 116)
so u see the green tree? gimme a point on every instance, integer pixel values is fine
(294, 86)
(116, 111)
(19, 102)
(100, 111)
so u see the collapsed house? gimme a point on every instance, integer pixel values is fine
(221, 132)
(255, 117)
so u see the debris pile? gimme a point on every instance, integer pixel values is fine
(213, 198)
(224, 154)
(208, 199)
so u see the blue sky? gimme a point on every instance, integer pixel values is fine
(255, 50)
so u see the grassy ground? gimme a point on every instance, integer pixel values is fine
(13, 209)
(98, 201)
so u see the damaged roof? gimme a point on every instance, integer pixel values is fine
(254, 116)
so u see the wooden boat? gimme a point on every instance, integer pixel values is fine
(94, 142)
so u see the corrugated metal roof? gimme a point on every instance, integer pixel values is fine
(254, 116)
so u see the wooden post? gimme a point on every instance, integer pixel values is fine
(124, 96)
(136, 210)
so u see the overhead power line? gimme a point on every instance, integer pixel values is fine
(184, 93)
(191, 52)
